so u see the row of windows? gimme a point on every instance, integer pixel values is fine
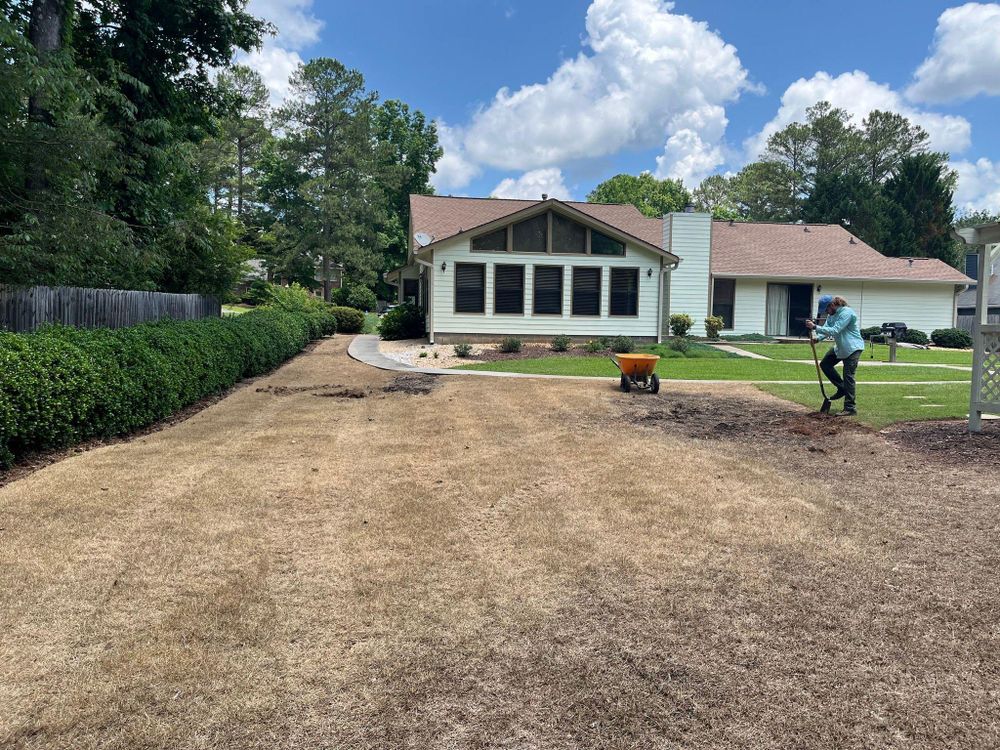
(547, 297)
(548, 233)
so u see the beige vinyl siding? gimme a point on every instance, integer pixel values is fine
(446, 320)
(924, 306)
(690, 236)
(749, 306)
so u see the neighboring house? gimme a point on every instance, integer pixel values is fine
(493, 267)
(967, 299)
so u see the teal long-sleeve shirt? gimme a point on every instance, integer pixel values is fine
(842, 327)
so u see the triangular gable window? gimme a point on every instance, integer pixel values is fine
(549, 232)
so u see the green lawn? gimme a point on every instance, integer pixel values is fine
(881, 405)
(736, 368)
(918, 356)
(371, 323)
(235, 309)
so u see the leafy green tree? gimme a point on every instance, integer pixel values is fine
(764, 191)
(886, 138)
(851, 200)
(329, 141)
(922, 189)
(244, 129)
(716, 195)
(651, 196)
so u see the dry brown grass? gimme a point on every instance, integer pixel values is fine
(495, 563)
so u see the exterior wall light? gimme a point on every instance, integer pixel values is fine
(649, 273)
(444, 265)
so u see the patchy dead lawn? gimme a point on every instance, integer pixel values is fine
(338, 557)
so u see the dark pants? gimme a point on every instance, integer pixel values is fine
(846, 384)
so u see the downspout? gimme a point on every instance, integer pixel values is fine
(430, 298)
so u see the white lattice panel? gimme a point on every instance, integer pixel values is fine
(989, 389)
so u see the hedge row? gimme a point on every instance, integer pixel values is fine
(61, 385)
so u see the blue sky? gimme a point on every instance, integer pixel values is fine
(589, 89)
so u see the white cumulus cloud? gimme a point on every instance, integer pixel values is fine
(978, 185)
(533, 185)
(454, 170)
(276, 60)
(645, 75)
(859, 95)
(965, 58)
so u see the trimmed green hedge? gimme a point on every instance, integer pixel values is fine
(61, 385)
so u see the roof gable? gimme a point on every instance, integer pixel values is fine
(445, 217)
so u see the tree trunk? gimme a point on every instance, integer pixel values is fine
(45, 32)
(240, 148)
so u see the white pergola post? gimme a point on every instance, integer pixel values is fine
(984, 396)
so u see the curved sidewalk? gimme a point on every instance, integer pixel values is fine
(364, 348)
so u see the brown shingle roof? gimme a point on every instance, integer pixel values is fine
(445, 216)
(824, 251)
(738, 249)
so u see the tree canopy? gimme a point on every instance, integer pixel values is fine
(135, 154)
(651, 196)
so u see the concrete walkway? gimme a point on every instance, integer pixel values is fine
(738, 352)
(364, 348)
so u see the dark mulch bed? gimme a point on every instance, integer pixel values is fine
(536, 351)
(949, 440)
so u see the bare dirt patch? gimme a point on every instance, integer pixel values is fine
(417, 384)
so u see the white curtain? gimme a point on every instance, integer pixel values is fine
(777, 310)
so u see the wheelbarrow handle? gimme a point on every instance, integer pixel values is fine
(615, 361)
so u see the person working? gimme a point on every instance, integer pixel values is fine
(842, 326)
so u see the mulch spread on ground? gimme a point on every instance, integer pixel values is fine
(949, 441)
(417, 384)
(712, 417)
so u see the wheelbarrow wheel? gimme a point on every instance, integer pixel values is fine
(654, 383)
(626, 384)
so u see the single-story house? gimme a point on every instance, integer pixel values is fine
(482, 268)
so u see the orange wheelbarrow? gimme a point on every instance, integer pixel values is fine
(637, 372)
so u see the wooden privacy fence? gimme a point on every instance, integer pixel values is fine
(23, 309)
(966, 322)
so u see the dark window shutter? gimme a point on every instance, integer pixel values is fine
(624, 291)
(470, 287)
(508, 289)
(548, 296)
(586, 291)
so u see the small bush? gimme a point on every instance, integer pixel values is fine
(423, 355)
(867, 333)
(356, 296)
(436, 354)
(915, 336)
(951, 338)
(680, 324)
(560, 343)
(622, 345)
(510, 345)
(349, 319)
(258, 293)
(680, 345)
(463, 350)
(713, 324)
(594, 346)
(403, 322)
